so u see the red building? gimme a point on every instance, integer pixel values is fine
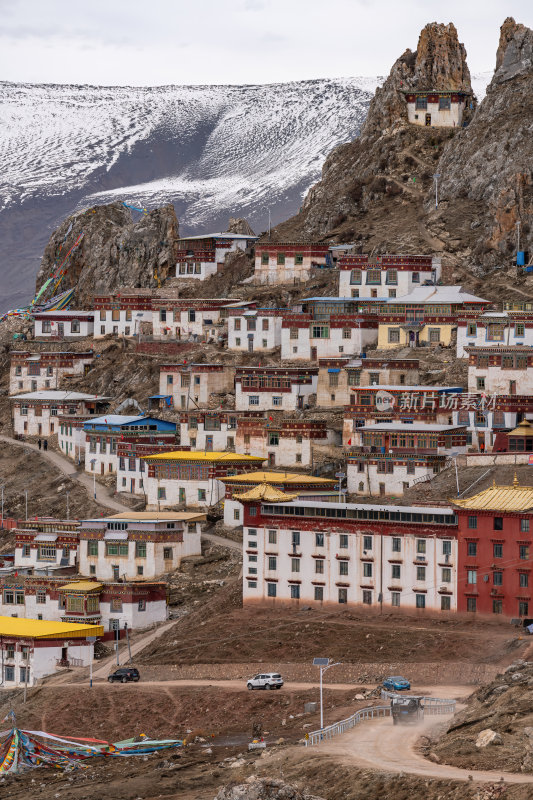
(494, 551)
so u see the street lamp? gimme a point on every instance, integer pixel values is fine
(93, 462)
(323, 664)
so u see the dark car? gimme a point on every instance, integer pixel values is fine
(124, 674)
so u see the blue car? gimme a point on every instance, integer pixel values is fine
(396, 684)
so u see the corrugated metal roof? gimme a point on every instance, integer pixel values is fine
(46, 537)
(262, 476)
(45, 629)
(264, 491)
(500, 498)
(58, 396)
(116, 535)
(424, 427)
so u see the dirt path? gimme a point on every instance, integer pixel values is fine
(66, 466)
(380, 745)
(221, 541)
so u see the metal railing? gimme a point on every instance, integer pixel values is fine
(431, 705)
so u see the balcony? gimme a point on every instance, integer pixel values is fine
(68, 663)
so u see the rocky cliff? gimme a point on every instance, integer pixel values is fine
(379, 190)
(373, 189)
(486, 170)
(116, 251)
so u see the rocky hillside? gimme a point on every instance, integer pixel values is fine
(495, 731)
(486, 169)
(115, 251)
(379, 189)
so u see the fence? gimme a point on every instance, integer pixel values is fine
(431, 705)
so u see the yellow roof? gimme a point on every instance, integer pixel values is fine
(44, 629)
(500, 498)
(262, 476)
(81, 586)
(142, 516)
(202, 455)
(264, 491)
(524, 428)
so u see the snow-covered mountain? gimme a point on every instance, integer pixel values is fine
(213, 151)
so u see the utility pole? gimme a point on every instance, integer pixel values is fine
(323, 664)
(2, 505)
(68, 507)
(436, 177)
(128, 639)
(518, 236)
(26, 495)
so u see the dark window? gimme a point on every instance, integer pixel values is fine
(497, 550)
(497, 578)
(471, 549)
(472, 523)
(471, 604)
(498, 523)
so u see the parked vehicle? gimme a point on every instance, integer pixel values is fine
(406, 709)
(267, 680)
(124, 674)
(396, 684)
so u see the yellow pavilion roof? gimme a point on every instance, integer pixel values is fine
(213, 456)
(524, 428)
(45, 629)
(264, 491)
(81, 586)
(264, 476)
(500, 498)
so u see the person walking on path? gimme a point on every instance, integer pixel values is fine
(45, 444)
(39, 443)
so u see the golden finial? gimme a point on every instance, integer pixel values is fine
(515, 481)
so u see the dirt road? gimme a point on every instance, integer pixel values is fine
(454, 692)
(379, 745)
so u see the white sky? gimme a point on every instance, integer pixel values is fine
(155, 42)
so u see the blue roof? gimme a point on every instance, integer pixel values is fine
(119, 421)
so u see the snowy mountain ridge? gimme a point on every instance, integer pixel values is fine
(213, 151)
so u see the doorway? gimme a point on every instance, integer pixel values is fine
(314, 354)
(60, 330)
(116, 572)
(250, 344)
(512, 387)
(428, 120)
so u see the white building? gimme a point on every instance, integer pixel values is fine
(191, 385)
(32, 649)
(305, 339)
(71, 437)
(63, 324)
(288, 262)
(126, 314)
(377, 474)
(36, 413)
(494, 329)
(138, 604)
(437, 108)
(255, 331)
(274, 388)
(192, 478)
(138, 545)
(33, 372)
(386, 275)
(287, 442)
(212, 430)
(199, 257)
(190, 319)
(391, 556)
(103, 435)
(503, 370)
(46, 547)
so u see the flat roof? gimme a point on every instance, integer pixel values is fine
(45, 629)
(209, 455)
(150, 516)
(407, 388)
(75, 314)
(220, 235)
(117, 419)
(436, 294)
(81, 586)
(371, 507)
(56, 395)
(407, 426)
(267, 476)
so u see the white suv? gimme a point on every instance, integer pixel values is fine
(268, 680)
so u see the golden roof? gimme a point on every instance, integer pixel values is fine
(262, 476)
(264, 491)
(45, 629)
(500, 498)
(81, 586)
(210, 456)
(524, 428)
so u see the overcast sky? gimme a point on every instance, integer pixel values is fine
(155, 42)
